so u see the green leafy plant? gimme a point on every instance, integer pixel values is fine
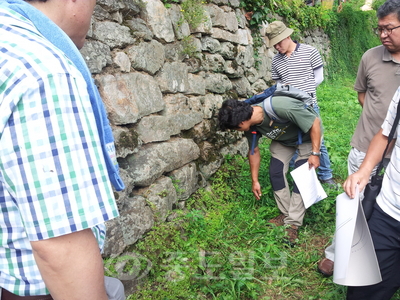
(188, 47)
(193, 12)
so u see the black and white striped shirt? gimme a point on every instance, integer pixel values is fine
(298, 69)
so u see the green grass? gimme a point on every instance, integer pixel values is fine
(221, 246)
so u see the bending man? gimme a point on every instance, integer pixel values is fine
(296, 120)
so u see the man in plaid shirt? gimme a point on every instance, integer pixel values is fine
(55, 190)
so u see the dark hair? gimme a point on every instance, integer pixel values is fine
(232, 113)
(388, 8)
(35, 0)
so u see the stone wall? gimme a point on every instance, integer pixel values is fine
(162, 102)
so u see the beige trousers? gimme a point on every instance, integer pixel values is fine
(289, 203)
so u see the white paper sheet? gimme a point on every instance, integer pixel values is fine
(308, 184)
(355, 258)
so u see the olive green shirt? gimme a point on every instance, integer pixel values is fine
(299, 121)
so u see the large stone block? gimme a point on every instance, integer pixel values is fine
(176, 117)
(139, 29)
(154, 129)
(252, 74)
(244, 36)
(233, 70)
(234, 3)
(225, 36)
(157, 18)
(136, 218)
(242, 87)
(240, 17)
(209, 44)
(202, 131)
(180, 25)
(205, 27)
(211, 105)
(97, 55)
(258, 86)
(121, 60)
(209, 169)
(153, 160)
(241, 36)
(214, 63)
(173, 78)
(179, 113)
(126, 141)
(161, 196)
(186, 180)
(240, 147)
(228, 50)
(244, 56)
(218, 83)
(128, 97)
(197, 84)
(112, 34)
(148, 57)
(225, 19)
(174, 51)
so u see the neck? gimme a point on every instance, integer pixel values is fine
(291, 48)
(257, 116)
(396, 56)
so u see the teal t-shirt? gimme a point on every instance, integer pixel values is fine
(299, 118)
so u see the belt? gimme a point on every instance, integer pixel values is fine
(6, 295)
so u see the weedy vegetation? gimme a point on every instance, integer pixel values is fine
(221, 246)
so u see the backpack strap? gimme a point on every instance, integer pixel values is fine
(271, 112)
(253, 141)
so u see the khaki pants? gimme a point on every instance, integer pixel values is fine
(290, 204)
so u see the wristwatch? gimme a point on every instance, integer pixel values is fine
(316, 153)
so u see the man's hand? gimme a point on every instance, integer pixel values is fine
(361, 178)
(372, 158)
(313, 161)
(254, 161)
(256, 190)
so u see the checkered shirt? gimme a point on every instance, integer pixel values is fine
(53, 178)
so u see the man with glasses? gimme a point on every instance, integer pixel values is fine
(377, 80)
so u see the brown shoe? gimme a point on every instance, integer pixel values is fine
(292, 232)
(325, 267)
(278, 220)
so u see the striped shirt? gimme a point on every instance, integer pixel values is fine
(53, 178)
(389, 197)
(298, 69)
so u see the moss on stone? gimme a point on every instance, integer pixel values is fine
(128, 139)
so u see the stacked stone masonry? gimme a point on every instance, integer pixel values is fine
(162, 103)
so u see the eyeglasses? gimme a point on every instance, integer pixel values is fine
(385, 30)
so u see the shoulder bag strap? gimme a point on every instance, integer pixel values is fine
(390, 138)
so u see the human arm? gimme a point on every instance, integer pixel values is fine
(315, 134)
(71, 266)
(372, 158)
(254, 161)
(318, 76)
(361, 98)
